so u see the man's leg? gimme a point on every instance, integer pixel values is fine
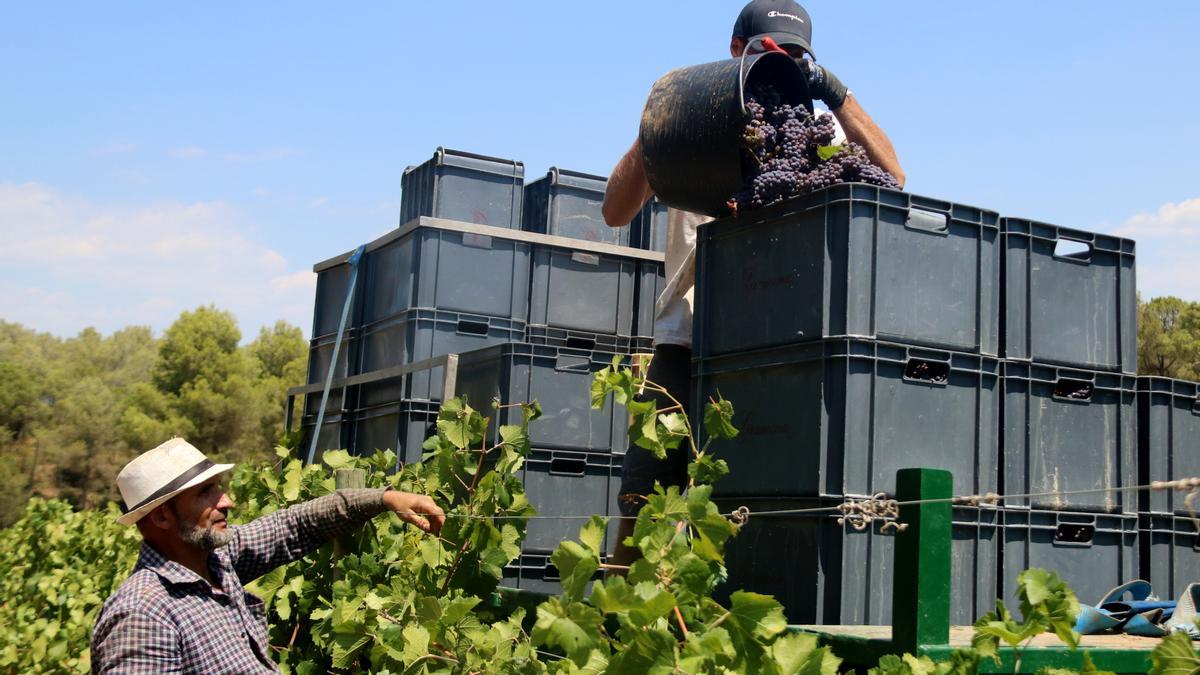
(671, 368)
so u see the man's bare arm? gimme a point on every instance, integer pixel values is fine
(861, 129)
(627, 189)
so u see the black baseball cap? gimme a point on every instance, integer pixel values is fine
(784, 21)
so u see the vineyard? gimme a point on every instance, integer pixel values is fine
(389, 599)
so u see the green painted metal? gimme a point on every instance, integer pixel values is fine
(1035, 659)
(921, 586)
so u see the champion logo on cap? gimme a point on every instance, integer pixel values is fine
(773, 13)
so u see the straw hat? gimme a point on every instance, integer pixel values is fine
(156, 475)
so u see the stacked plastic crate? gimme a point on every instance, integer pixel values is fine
(454, 277)
(1069, 429)
(584, 295)
(856, 333)
(533, 291)
(1168, 449)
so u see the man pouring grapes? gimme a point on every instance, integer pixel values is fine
(792, 167)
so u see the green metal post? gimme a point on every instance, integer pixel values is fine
(921, 585)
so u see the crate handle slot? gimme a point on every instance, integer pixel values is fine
(466, 327)
(581, 343)
(585, 258)
(1196, 405)
(1073, 249)
(1077, 534)
(927, 221)
(473, 240)
(567, 466)
(1073, 390)
(550, 573)
(930, 372)
(572, 364)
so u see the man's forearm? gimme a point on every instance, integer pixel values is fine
(281, 537)
(861, 129)
(627, 189)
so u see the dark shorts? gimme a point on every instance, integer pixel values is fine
(671, 368)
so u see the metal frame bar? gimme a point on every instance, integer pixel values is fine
(449, 378)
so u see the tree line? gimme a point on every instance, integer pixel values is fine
(73, 411)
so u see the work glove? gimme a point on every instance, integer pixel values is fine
(823, 85)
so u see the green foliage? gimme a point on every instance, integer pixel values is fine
(18, 397)
(56, 568)
(400, 600)
(1175, 656)
(391, 599)
(1169, 338)
(1047, 604)
(73, 411)
(660, 617)
(962, 662)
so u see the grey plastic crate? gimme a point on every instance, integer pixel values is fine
(579, 339)
(841, 416)
(332, 283)
(559, 379)
(401, 428)
(439, 268)
(651, 280)
(1069, 430)
(829, 573)
(582, 290)
(567, 204)
(1092, 552)
(1074, 309)
(850, 260)
(464, 186)
(534, 572)
(320, 353)
(1170, 553)
(649, 227)
(1168, 439)
(334, 435)
(564, 483)
(420, 334)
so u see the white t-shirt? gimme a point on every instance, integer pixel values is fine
(673, 311)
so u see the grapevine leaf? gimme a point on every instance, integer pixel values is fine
(531, 411)
(718, 419)
(1175, 655)
(576, 565)
(756, 617)
(513, 434)
(652, 652)
(335, 459)
(346, 647)
(826, 152)
(592, 533)
(676, 427)
(574, 628)
(706, 469)
(713, 528)
(416, 642)
(799, 653)
(1046, 599)
(712, 645)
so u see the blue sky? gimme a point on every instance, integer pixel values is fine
(155, 157)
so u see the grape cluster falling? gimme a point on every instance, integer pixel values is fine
(791, 153)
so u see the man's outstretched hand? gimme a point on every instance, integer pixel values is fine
(416, 509)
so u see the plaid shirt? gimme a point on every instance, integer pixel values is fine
(166, 619)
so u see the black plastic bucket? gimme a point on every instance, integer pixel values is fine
(692, 125)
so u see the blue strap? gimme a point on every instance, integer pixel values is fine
(337, 347)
